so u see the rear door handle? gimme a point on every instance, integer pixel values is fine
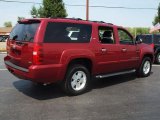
(124, 50)
(103, 50)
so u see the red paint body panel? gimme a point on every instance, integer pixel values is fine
(55, 57)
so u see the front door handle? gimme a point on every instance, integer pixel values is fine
(124, 50)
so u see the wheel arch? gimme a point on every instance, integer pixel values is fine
(148, 55)
(157, 51)
(88, 63)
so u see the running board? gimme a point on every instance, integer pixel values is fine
(114, 74)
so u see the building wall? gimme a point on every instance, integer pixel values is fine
(5, 30)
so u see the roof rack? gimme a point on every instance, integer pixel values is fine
(101, 22)
(98, 21)
(81, 19)
(110, 23)
(66, 18)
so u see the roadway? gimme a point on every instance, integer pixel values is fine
(124, 97)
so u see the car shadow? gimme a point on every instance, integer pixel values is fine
(54, 91)
(39, 92)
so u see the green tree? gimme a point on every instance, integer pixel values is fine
(50, 8)
(8, 24)
(157, 17)
(54, 8)
(34, 12)
(20, 18)
(41, 12)
(138, 30)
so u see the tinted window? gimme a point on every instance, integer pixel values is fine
(156, 39)
(24, 32)
(75, 34)
(146, 38)
(1, 37)
(106, 35)
(61, 33)
(125, 37)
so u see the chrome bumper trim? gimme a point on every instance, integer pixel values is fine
(16, 67)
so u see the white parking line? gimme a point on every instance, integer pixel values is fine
(156, 65)
(2, 53)
(3, 69)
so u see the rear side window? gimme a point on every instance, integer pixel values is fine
(146, 38)
(106, 35)
(24, 32)
(156, 39)
(74, 34)
(67, 33)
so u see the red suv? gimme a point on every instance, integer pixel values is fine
(43, 51)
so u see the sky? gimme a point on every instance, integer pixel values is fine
(121, 17)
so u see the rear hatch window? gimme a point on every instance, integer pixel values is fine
(24, 31)
(20, 44)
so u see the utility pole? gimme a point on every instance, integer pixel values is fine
(87, 9)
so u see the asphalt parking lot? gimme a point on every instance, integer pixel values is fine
(123, 97)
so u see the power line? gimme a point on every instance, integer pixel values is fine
(119, 7)
(19, 1)
(92, 6)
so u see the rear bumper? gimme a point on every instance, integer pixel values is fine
(37, 73)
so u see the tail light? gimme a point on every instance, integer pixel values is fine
(7, 46)
(152, 45)
(38, 54)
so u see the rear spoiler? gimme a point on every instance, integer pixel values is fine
(28, 21)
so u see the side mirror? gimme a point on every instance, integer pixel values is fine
(138, 40)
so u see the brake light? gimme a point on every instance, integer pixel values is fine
(152, 45)
(7, 46)
(38, 54)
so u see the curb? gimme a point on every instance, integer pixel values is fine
(3, 52)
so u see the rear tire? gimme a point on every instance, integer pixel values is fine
(77, 80)
(157, 59)
(145, 67)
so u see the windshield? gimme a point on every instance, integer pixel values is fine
(146, 38)
(24, 32)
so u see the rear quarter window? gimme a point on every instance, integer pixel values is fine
(62, 33)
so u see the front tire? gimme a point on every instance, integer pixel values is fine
(77, 80)
(145, 67)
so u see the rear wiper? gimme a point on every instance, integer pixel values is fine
(27, 38)
(21, 43)
(15, 37)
